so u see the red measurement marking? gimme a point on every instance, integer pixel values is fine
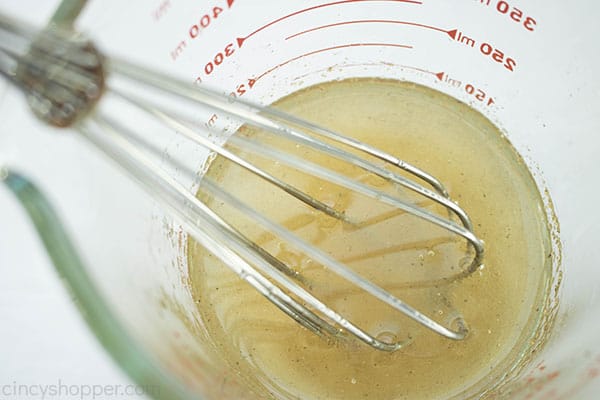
(205, 20)
(365, 65)
(178, 50)
(218, 59)
(473, 91)
(514, 13)
(202, 23)
(240, 40)
(485, 48)
(479, 94)
(553, 375)
(418, 69)
(425, 71)
(161, 10)
(387, 21)
(452, 33)
(243, 88)
(328, 49)
(211, 121)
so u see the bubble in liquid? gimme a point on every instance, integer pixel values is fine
(387, 337)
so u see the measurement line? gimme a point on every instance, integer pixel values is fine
(328, 49)
(240, 40)
(361, 21)
(420, 70)
(373, 64)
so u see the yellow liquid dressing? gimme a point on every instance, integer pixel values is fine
(501, 303)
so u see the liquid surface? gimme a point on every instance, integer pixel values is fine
(501, 303)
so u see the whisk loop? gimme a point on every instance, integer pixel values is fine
(64, 77)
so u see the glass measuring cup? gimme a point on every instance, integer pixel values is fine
(499, 56)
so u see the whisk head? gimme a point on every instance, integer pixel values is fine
(67, 80)
(60, 71)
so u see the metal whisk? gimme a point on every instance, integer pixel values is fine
(64, 77)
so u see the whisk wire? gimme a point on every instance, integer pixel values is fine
(254, 115)
(257, 116)
(63, 77)
(239, 252)
(296, 242)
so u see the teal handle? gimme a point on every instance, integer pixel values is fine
(67, 12)
(111, 333)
